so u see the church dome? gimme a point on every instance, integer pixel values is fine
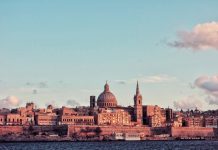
(106, 98)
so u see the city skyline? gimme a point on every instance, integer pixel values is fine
(59, 52)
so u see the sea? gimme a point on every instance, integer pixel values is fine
(113, 145)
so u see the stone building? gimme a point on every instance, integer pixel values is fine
(2, 119)
(111, 116)
(67, 111)
(15, 119)
(192, 121)
(211, 122)
(46, 119)
(154, 116)
(77, 120)
(169, 114)
(176, 121)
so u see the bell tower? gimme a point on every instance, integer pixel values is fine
(138, 105)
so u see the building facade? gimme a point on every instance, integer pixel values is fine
(77, 120)
(46, 119)
(113, 117)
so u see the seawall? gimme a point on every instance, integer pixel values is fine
(107, 130)
(11, 130)
(193, 132)
(97, 131)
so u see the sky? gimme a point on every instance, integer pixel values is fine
(60, 52)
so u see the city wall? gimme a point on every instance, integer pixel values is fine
(145, 131)
(106, 130)
(61, 130)
(84, 130)
(11, 129)
(193, 132)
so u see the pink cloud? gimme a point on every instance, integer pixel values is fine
(210, 87)
(202, 37)
(9, 102)
(189, 102)
(159, 78)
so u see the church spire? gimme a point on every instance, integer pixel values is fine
(137, 88)
(138, 106)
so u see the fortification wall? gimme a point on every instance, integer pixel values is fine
(146, 131)
(10, 129)
(160, 130)
(107, 130)
(192, 132)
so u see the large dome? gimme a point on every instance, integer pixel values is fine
(106, 98)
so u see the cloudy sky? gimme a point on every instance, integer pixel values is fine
(60, 52)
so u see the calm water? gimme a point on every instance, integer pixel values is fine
(162, 145)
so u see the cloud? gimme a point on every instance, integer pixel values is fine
(156, 78)
(190, 102)
(61, 82)
(148, 79)
(35, 91)
(72, 103)
(9, 102)
(29, 84)
(210, 86)
(121, 82)
(42, 85)
(212, 100)
(191, 85)
(202, 37)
